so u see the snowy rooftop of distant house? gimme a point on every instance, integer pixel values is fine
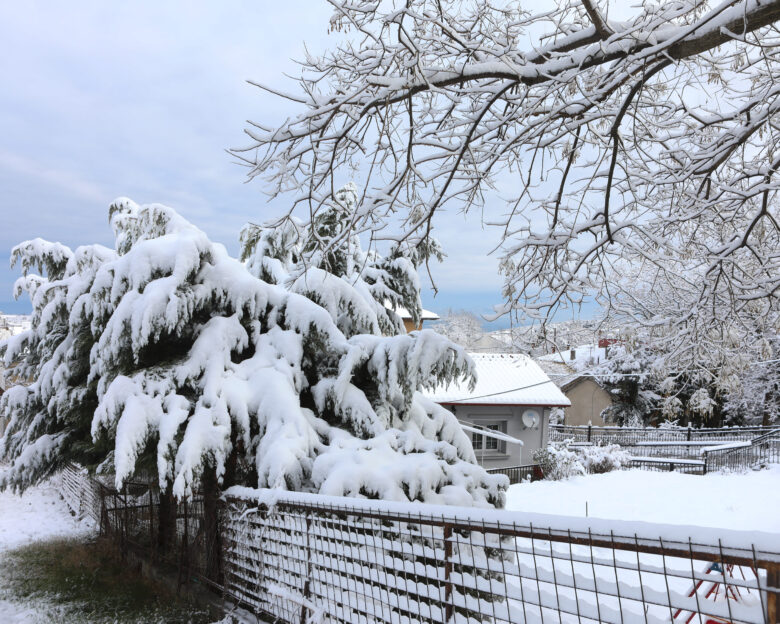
(503, 379)
(560, 373)
(426, 315)
(577, 357)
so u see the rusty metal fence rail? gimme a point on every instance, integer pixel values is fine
(296, 557)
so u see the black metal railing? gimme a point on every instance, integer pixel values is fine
(762, 450)
(518, 474)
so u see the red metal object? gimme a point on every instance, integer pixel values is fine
(731, 592)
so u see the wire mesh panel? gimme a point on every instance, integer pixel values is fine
(305, 556)
(81, 492)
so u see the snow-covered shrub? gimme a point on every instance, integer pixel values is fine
(557, 416)
(601, 459)
(167, 354)
(558, 462)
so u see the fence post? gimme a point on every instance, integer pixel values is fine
(448, 609)
(306, 588)
(772, 598)
(590, 429)
(689, 432)
(152, 544)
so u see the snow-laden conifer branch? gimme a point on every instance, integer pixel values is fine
(171, 356)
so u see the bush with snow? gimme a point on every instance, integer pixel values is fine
(167, 354)
(559, 461)
(601, 459)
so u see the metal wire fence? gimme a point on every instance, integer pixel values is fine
(133, 519)
(296, 557)
(627, 436)
(301, 557)
(83, 493)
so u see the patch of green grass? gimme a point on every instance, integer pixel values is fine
(86, 582)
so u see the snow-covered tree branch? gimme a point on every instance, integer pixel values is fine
(647, 140)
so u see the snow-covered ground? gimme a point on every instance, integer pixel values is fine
(746, 501)
(39, 514)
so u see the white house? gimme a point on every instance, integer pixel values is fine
(512, 398)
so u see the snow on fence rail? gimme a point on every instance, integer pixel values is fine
(627, 436)
(301, 557)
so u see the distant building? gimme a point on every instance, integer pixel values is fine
(13, 324)
(513, 397)
(406, 317)
(588, 398)
(578, 357)
(588, 401)
(10, 325)
(486, 344)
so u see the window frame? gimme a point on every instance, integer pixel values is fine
(480, 442)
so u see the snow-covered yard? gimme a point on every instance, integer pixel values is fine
(41, 520)
(748, 501)
(39, 514)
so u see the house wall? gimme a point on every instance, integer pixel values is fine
(513, 454)
(410, 326)
(588, 400)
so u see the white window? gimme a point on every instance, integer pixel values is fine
(484, 443)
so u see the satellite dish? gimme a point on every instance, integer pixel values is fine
(530, 418)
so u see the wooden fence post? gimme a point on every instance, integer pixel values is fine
(448, 610)
(590, 429)
(772, 598)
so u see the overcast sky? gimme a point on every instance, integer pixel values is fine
(100, 100)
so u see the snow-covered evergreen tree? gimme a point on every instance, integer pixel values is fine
(325, 262)
(630, 374)
(168, 353)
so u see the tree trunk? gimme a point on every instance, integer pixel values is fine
(211, 493)
(166, 534)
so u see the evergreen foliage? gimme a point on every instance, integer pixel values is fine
(167, 354)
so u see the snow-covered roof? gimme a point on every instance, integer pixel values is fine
(577, 357)
(503, 379)
(426, 315)
(560, 373)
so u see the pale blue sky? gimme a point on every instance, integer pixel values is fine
(141, 99)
